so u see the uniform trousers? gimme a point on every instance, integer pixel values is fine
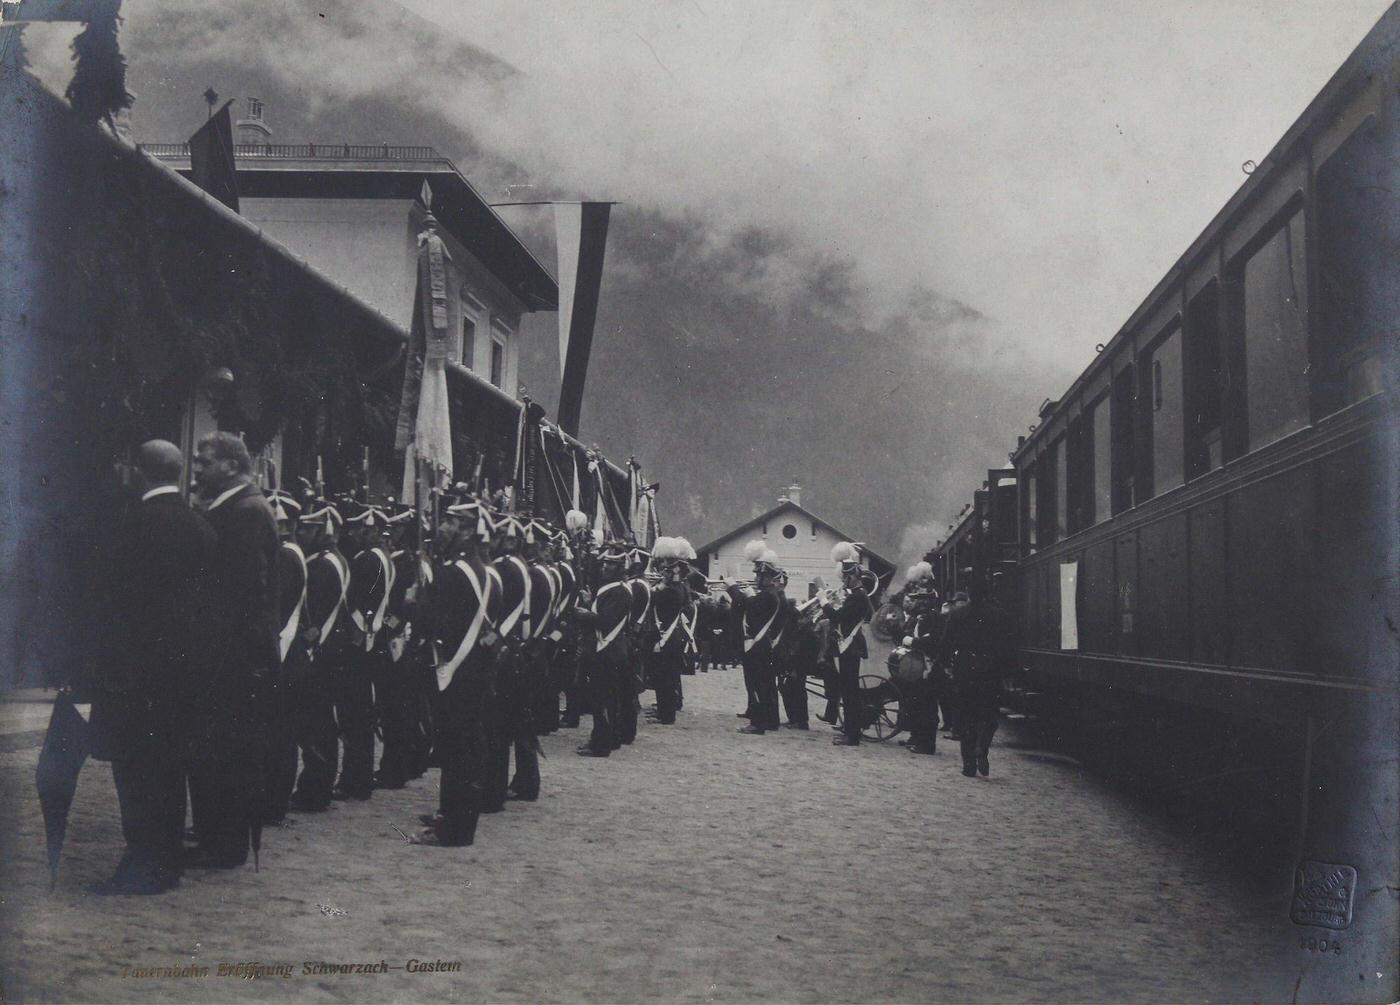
(393, 708)
(762, 677)
(354, 711)
(919, 708)
(601, 675)
(225, 774)
(313, 722)
(665, 672)
(978, 714)
(794, 692)
(280, 756)
(462, 752)
(853, 709)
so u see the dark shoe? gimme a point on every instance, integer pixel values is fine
(969, 771)
(829, 722)
(983, 768)
(798, 725)
(519, 797)
(743, 715)
(751, 730)
(429, 838)
(429, 819)
(844, 741)
(590, 752)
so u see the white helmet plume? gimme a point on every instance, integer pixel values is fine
(575, 520)
(753, 551)
(845, 552)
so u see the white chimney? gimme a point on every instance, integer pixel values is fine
(794, 495)
(251, 129)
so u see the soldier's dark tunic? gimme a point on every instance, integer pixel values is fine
(282, 755)
(371, 575)
(327, 581)
(230, 717)
(462, 596)
(800, 642)
(665, 641)
(508, 717)
(393, 684)
(760, 618)
(979, 646)
(921, 705)
(534, 676)
(849, 642)
(161, 554)
(608, 660)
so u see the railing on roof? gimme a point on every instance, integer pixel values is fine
(306, 151)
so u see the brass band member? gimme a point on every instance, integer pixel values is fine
(666, 635)
(760, 616)
(849, 609)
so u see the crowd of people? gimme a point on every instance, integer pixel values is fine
(265, 645)
(950, 662)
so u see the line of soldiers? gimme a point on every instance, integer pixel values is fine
(460, 658)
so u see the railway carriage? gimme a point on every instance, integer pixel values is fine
(1205, 563)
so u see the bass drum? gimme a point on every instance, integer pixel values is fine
(888, 623)
(907, 666)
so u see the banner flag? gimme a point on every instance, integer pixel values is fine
(425, 399)
(581, 233)
(211, 158)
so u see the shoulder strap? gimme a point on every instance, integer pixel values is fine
(448, 670)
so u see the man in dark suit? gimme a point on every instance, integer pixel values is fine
(243, 655)
(160, 556)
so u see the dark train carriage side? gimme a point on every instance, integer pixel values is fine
(1208, 573)
(983, 543)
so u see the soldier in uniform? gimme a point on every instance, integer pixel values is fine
(323, 636)
(605, 616)
(367, 599)
(536, 647)
(979, 646)
(760, 618)
(508, 719)
(923, 634)
(848, 612)
(291, 602)
(393, 684)
(459, 605)
(665, 636)
(637, 562)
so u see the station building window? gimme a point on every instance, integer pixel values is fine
(1276, 335)
(498, 361)
(1079, 460)
(789, 531)
(1358, 244)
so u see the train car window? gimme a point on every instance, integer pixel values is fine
(1275, 293)
(1121, 406)
(1029, 520)
(1164, 417)
(1358, 244)
(1061, 489)
(1101, 446)
(1206, 382)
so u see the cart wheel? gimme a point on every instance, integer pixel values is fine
(881, 707)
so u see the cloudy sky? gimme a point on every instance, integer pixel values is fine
(859, 242)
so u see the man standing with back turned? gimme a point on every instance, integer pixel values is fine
(161, 553)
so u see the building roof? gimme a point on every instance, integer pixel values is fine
(359, 171)
(780, 507)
